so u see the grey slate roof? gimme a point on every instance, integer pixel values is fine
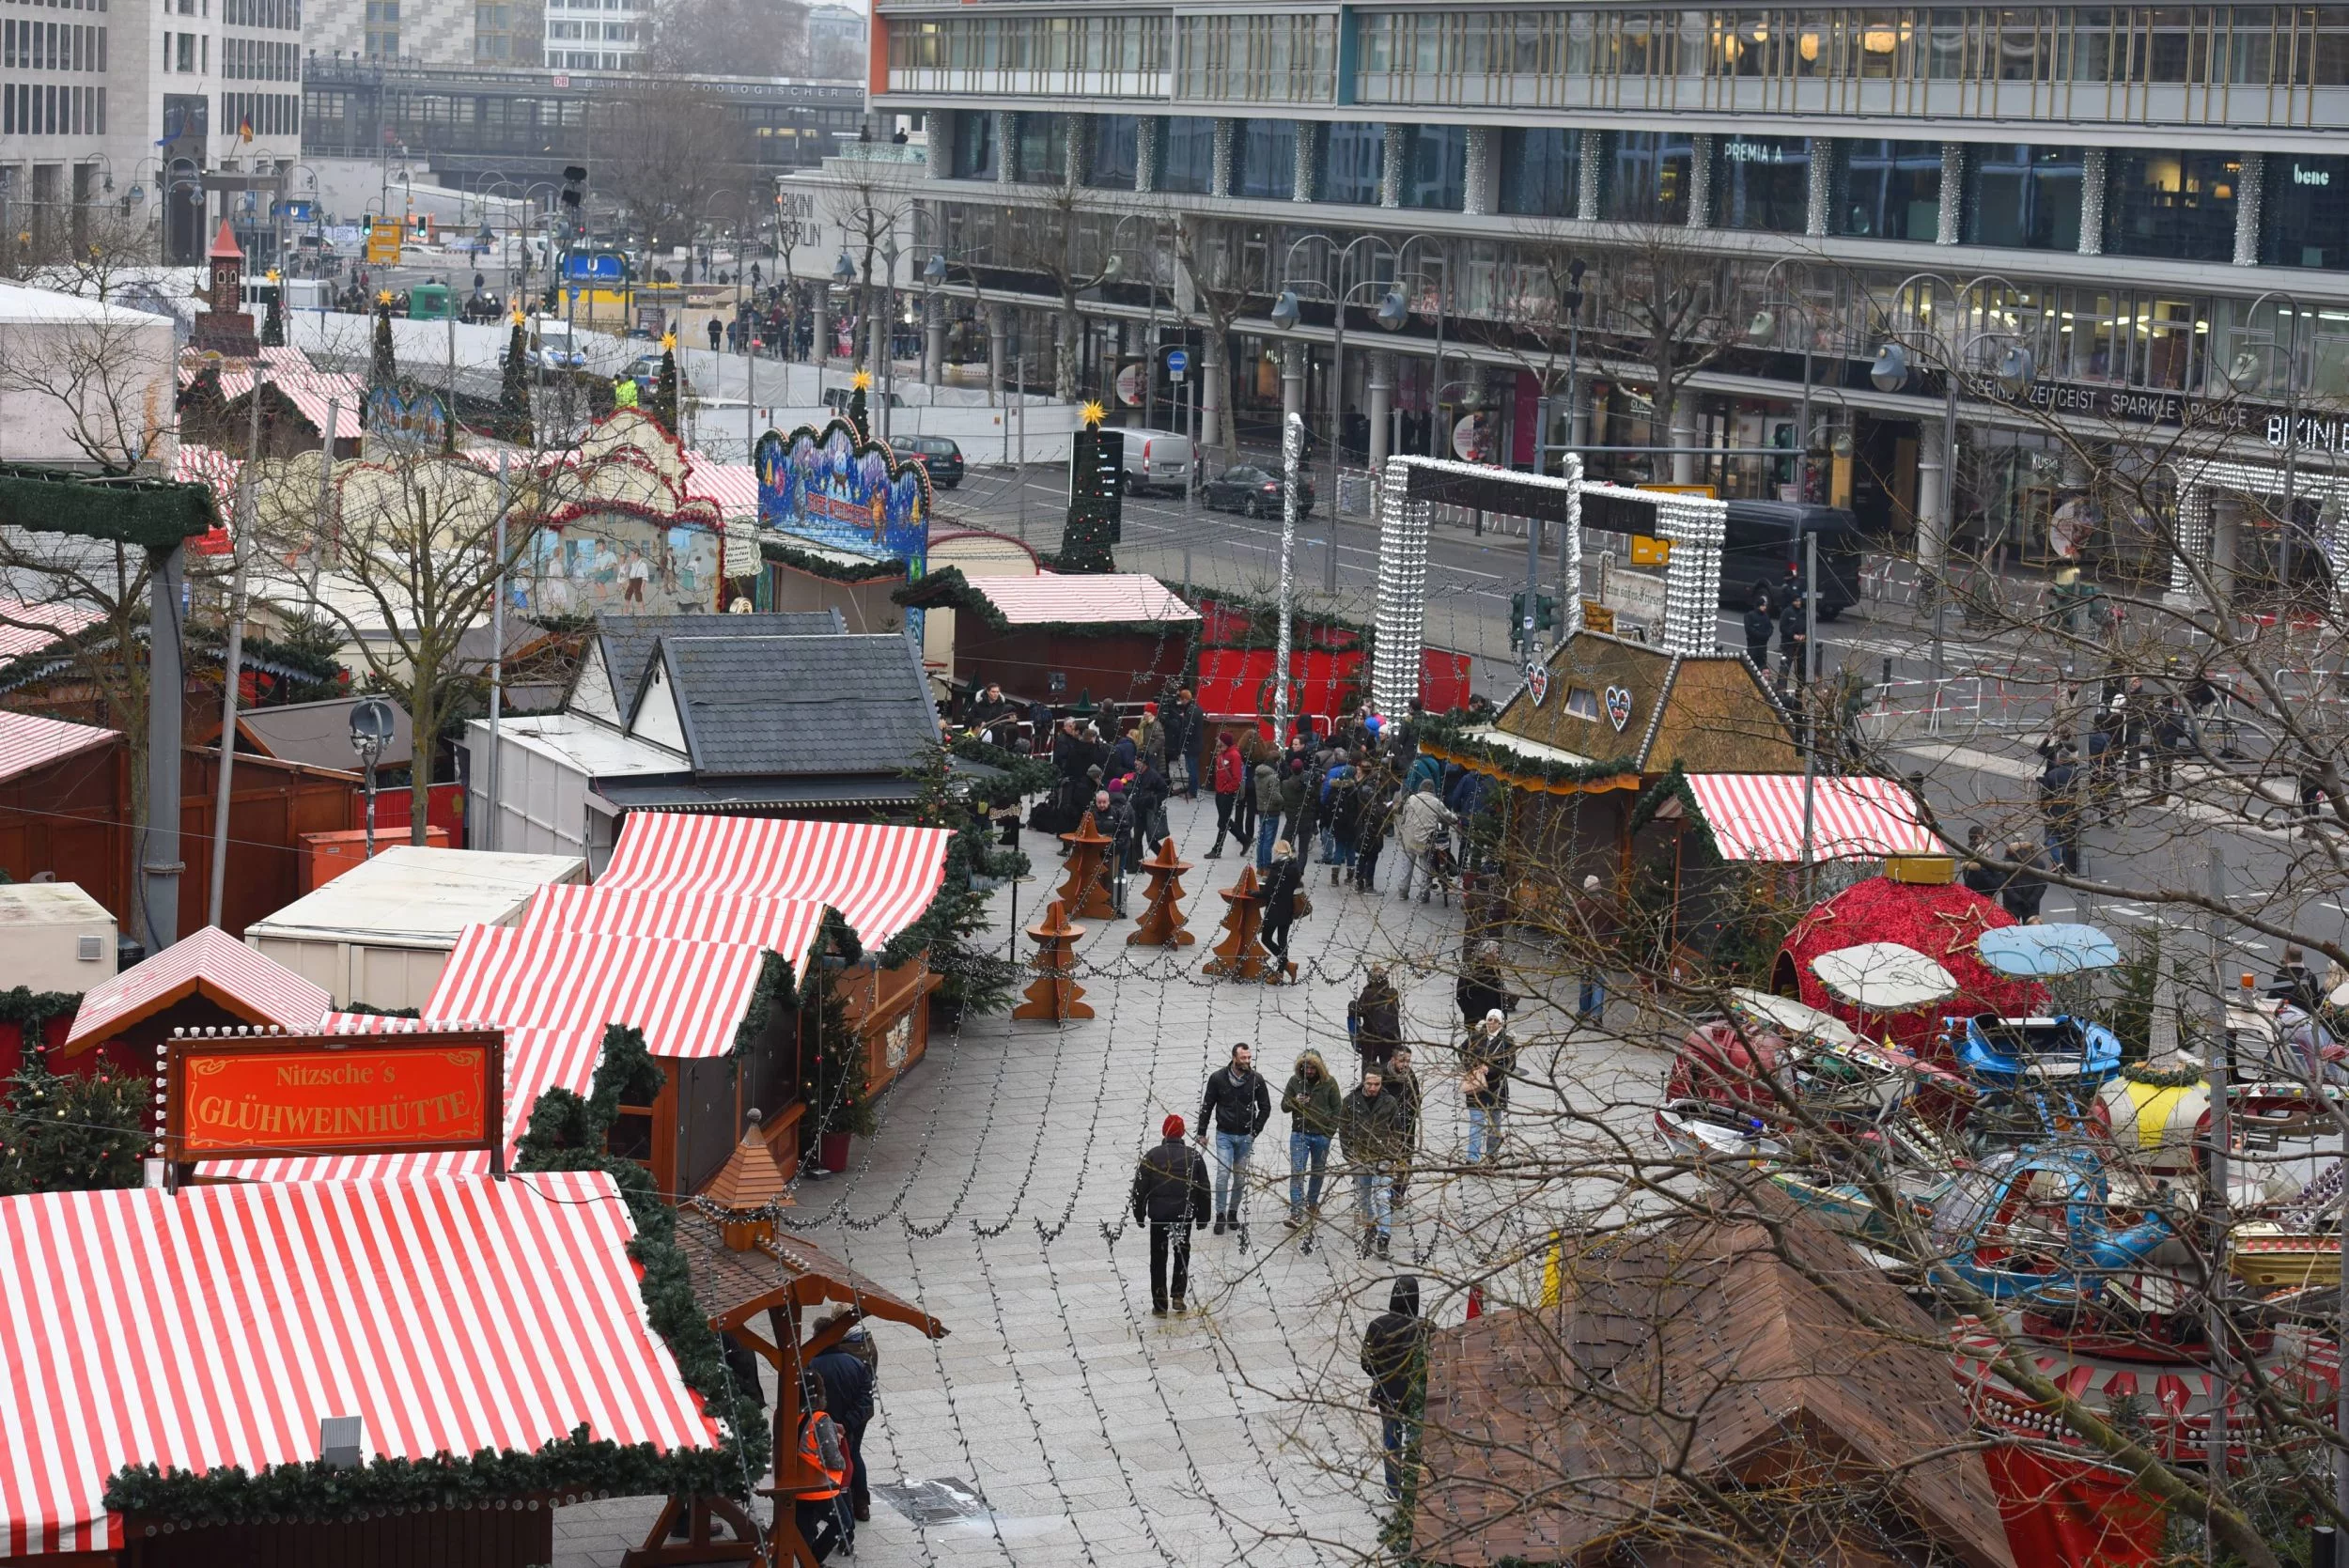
(628, 640)
(782, 706)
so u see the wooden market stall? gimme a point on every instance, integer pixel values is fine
(208, 980)
(1103, 637)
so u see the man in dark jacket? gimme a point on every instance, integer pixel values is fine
(1395, 1358)
(1404, 1089)
(1370, 1134)
(1311, 1101)
(1235, 1106)
(2059, 786)
(1281, 887)
(1170, 1195)
(1481, 986)
(1186, 738)
(849, 1399)
(1758, 628)
(1374, 1020)
(1979, 877)
(2024, 886)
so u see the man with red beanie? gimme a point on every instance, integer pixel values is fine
(1172, 1197)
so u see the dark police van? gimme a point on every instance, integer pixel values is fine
(1765, 537)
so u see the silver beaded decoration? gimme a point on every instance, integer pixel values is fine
(2093, 190)
(1476, 199)
(1820, 194)
(1949, 226)
(1586, 167)
(1570, 567)
(1006, 147)
(1220, 180)
(1403, 528)
(1692, 574)
(1147, 156)
(2193, 542)
(2250, 198)
(1701, 183)
(1391, 165)
(1307, 166)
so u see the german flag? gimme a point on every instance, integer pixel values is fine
(244, 126)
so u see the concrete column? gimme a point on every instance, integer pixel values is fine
(997, 329)
(2225, 536)
(2193, 544)
(1950, 226)
(1579, 416)
(933, 341)
(1304, 181)
(1684, 439)
(2250, 200)
(1381, 406)
(1932, 527)
(1586, 176)
(820, 347)
(1293, 383)
(1219, 177)
(1701, 183)
(1480, 190)
(1391, 165)
(2095, 188)
(1147, 156)
(158, 922)
(1818, 208)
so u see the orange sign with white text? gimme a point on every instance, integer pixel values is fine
(302, 1094)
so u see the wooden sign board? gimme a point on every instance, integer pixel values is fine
(1597, 617)
(272, 1096)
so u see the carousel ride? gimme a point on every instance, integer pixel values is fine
(1992, 1147)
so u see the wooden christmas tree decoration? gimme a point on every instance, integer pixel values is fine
(1054, 996)
(1087, 889)
(1162, 921)
(1240, 955)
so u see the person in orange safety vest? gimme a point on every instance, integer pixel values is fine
(823, 1449)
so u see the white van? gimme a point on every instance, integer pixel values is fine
(1156, 459)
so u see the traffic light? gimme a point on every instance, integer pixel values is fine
(1545, 615)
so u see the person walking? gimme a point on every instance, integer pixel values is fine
(1395, 1358)
(1146, 797)
(1489, 1057)
(1229, 779)
(1599, 930)
(1408, 1094)
(1235, 1107)
(1369, 1135)
(1759, 626)
(1482, 987)
(717, 334)
(1341, 819)
(1427, 823)
(1150, 739)
(1170, 1195)
(1310, 1099)
(816, 1510)
(1282, 889)
(2172, 738)
(1374, 1019)
(1267, 812)
(849, 1396)
(1378, 793)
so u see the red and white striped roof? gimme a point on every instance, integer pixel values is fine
(26, 629)
(536, 1060)
(194, 464)
(221, 1325)
(687, 997)
(880, 877)
(734, 487)
(211, 964)
(28, 741)
(785, 926)
(1080, 598)
(1758, 816)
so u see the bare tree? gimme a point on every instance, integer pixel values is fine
(1669, 301)
(1064, 239)
(663, 150)
(871, 205)
(728, 38)
(1210, 253)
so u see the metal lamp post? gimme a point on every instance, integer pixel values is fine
(371, 724)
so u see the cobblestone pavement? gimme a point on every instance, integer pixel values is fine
(994, 1195)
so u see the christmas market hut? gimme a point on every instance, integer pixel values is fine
(436, 1411)
(208, 980)
(1061, 639)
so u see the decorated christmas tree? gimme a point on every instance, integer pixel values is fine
(514, 389)
(664, 399)
(1096, 476)
(857, 414)
(274, 324)
(383, 370)
(63, 1132)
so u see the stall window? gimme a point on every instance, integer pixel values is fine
(1043, 158)
(1265, 160)
(975, 144)
(1353, 157)
(1435, 167)
(1116, 143)
(1187, 155)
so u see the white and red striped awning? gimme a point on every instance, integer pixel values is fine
(28, 741)
(1079, 599)
(1758, 816)
(211, 964)
(687, 998)
(220, 1324)
(29, 628)
(734, 487)
(785, 926)
(880, 877)
(536, 1060)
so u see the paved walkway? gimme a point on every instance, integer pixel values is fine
(994, 1194)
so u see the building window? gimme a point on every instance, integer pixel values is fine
(1353, 162)
(1540, 172)
(1435, 167)
(1264, 168)
(2024, 197)
(1116, 150)
(2177, 206)
(1763, 182)
(2306, 212)
(1892, 191)
(1646, 176)
(975, 144)
(1043, 156)
(1187, 155)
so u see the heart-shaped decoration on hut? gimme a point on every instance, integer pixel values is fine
(1619, 706)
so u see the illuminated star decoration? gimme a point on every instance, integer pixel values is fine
(1092, 414)
(862, 381)
(383, 296)
(271, 274)
(668, 343)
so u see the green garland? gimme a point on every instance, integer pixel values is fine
(566, 1133)
(363, 1008)
(1674, 787)
(157, 515)
(1449, 734)
(23, 1005)
(2154, 1078)
(1024, 775)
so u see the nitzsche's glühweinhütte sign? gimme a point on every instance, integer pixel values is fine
(415, 1090)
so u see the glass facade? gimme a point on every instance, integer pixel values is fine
(1257, 59)
(1435, 167)
(1891, 191)
(2306, 212)
(1042, 155)
(1116, 152)
(2177, 206)
(1763, 182)
(1541, 172)
(2024, 197)
(1263, 161)
(1353, 157)
(1187, 155)
(975, 151)
(1646, 176)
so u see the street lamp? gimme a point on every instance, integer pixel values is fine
(371, 724)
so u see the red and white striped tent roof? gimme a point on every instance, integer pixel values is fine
(1050, 599)
(880, 877)
(687, 997)
(785, 926)
(28, 741)
(211, 964)
(221, 1325)
(194, 464)
(1758, 816)
(536, 1060)
(28, 628)
(733, 486)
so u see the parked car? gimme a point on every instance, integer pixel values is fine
(1156, 459)
(1253, 491)
(836, 398)
(645, 370)
(939, 454)
(555, 349)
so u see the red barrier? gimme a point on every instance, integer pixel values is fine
(2066, 1512)
(445, 808)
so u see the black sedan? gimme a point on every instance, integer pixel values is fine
(1253, 491)
(937, 454)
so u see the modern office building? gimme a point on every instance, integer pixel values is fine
(177, 117)
(2147, 203)
(433, 33)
